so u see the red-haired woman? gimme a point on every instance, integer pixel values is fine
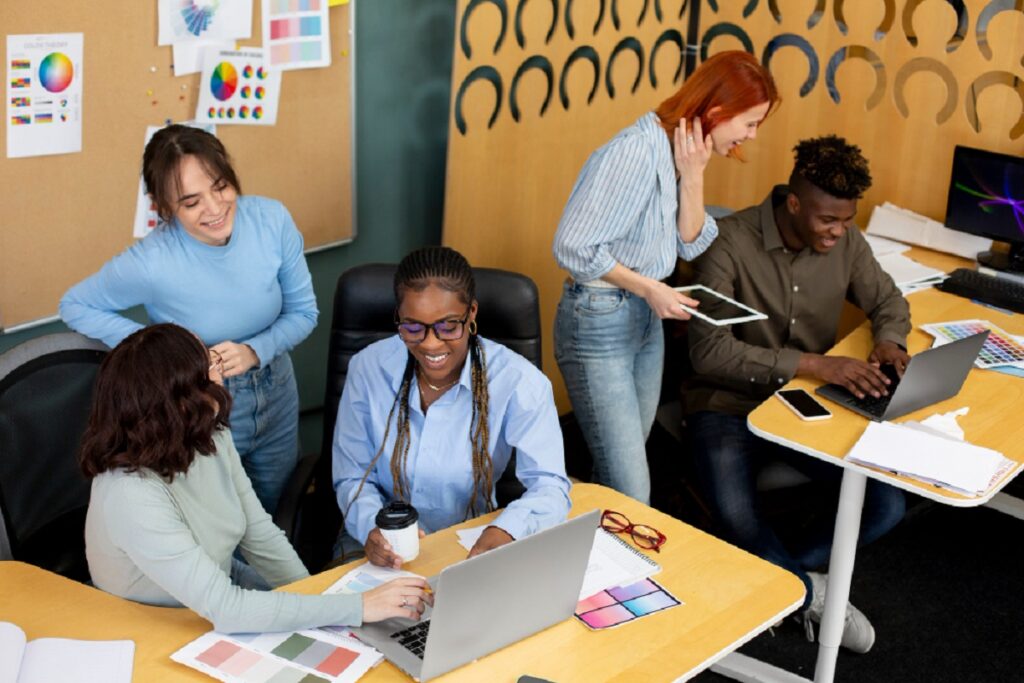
(637, 205)
(170, 501)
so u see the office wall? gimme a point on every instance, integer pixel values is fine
(403, 71)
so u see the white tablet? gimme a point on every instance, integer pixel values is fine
(718, 309)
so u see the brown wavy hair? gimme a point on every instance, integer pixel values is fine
(154, 406)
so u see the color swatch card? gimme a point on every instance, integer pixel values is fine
(296, 34)
(295, 657)
(617, 606)
(183, 21)
(44, 94)
(238, 88)
(1000, 348)
(146, 218)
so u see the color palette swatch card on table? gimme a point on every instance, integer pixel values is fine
(291, 657)
(296, 34)
(618, 606)
(1000, 348)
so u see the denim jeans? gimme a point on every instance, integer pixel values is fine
(610, 348)
(728, 457)
(265, 426)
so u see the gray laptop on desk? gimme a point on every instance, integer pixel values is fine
(931, 376)
(490, 601)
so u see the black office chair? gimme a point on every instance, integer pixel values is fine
(46, 387)
(364, 312)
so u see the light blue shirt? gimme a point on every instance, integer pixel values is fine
(624, 207)
(254, 290)
(522, 415)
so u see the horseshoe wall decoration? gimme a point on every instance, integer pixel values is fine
(535, 62)
(724, 28)
(961, 23)
(521, 37)
(987, 15)
(570, 27)
(856, 52)
(615, 14)
(669, 36)
(883, 27)
(936, 67)
(812, 21)
(713, 4)
(799, 42)
(987, 80)
(473, 4)
(486, 73)
(628, 43)
(582, 52)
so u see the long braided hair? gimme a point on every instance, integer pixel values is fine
(448, 269)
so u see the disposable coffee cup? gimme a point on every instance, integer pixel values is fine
(399, 523)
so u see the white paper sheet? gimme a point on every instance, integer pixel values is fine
(889, 220)
(44, 94)
(906, 271)
(182, 21)
(237, 88)
(296, 34)
(930, 457)
(188, 57)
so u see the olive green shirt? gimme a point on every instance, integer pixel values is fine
(802, 293)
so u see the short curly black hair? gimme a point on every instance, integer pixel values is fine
(832, 165)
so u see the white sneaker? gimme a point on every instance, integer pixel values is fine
(858, 633)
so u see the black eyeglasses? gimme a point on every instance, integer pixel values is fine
(445, 330)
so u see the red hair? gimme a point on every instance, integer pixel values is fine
(732, 81)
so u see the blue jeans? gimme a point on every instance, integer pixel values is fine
(728, 457)
(610, 348)
(265, 426)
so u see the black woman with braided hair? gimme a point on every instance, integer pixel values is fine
(431, 415)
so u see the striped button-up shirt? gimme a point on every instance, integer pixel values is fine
(623, 209)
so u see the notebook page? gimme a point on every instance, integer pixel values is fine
(613, 563)
(60, 660)
(12, 644)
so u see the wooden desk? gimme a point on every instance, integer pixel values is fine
(730, 596)
(993, 421)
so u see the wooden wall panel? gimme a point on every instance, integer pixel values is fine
(508, 182)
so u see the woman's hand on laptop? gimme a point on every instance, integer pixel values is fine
(380, 552)
(405, 598)
(890, 353)
(491, 538)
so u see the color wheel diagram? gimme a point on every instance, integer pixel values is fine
(56, 72)
(239, 90)
(198, 18)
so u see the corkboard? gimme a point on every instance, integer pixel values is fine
(63, 216)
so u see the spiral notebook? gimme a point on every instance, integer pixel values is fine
(613, 561)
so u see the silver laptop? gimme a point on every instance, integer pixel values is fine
(492, 600)
(931, 376)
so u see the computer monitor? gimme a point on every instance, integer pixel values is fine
(986, 198)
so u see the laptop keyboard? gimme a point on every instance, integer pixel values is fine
(414, 638)
(869, 404)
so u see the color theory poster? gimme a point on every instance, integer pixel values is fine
(44, 94)
(238, 88)
(296, 33)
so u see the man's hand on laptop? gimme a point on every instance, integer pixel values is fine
(857, 376)
(491, 538)
(380, 552)
(405, 598)
(890, 353)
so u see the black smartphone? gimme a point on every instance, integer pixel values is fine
(532, 679)
(803, 404)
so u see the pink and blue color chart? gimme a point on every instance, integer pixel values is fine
(617, 606)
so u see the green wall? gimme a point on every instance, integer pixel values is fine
(403, 75)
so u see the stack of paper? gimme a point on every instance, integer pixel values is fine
(888, 220)
(930, 456)
(909, 275)
(46, 660)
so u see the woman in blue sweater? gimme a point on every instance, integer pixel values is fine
(231, 269)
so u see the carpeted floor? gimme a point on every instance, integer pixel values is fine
(945, 592)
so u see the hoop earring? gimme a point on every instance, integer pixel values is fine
(471, 326)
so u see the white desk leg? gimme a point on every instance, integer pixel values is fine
(840, 573)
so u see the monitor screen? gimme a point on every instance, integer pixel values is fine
(986, 195)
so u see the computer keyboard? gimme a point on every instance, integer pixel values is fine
(413, 638)
(988, 289)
